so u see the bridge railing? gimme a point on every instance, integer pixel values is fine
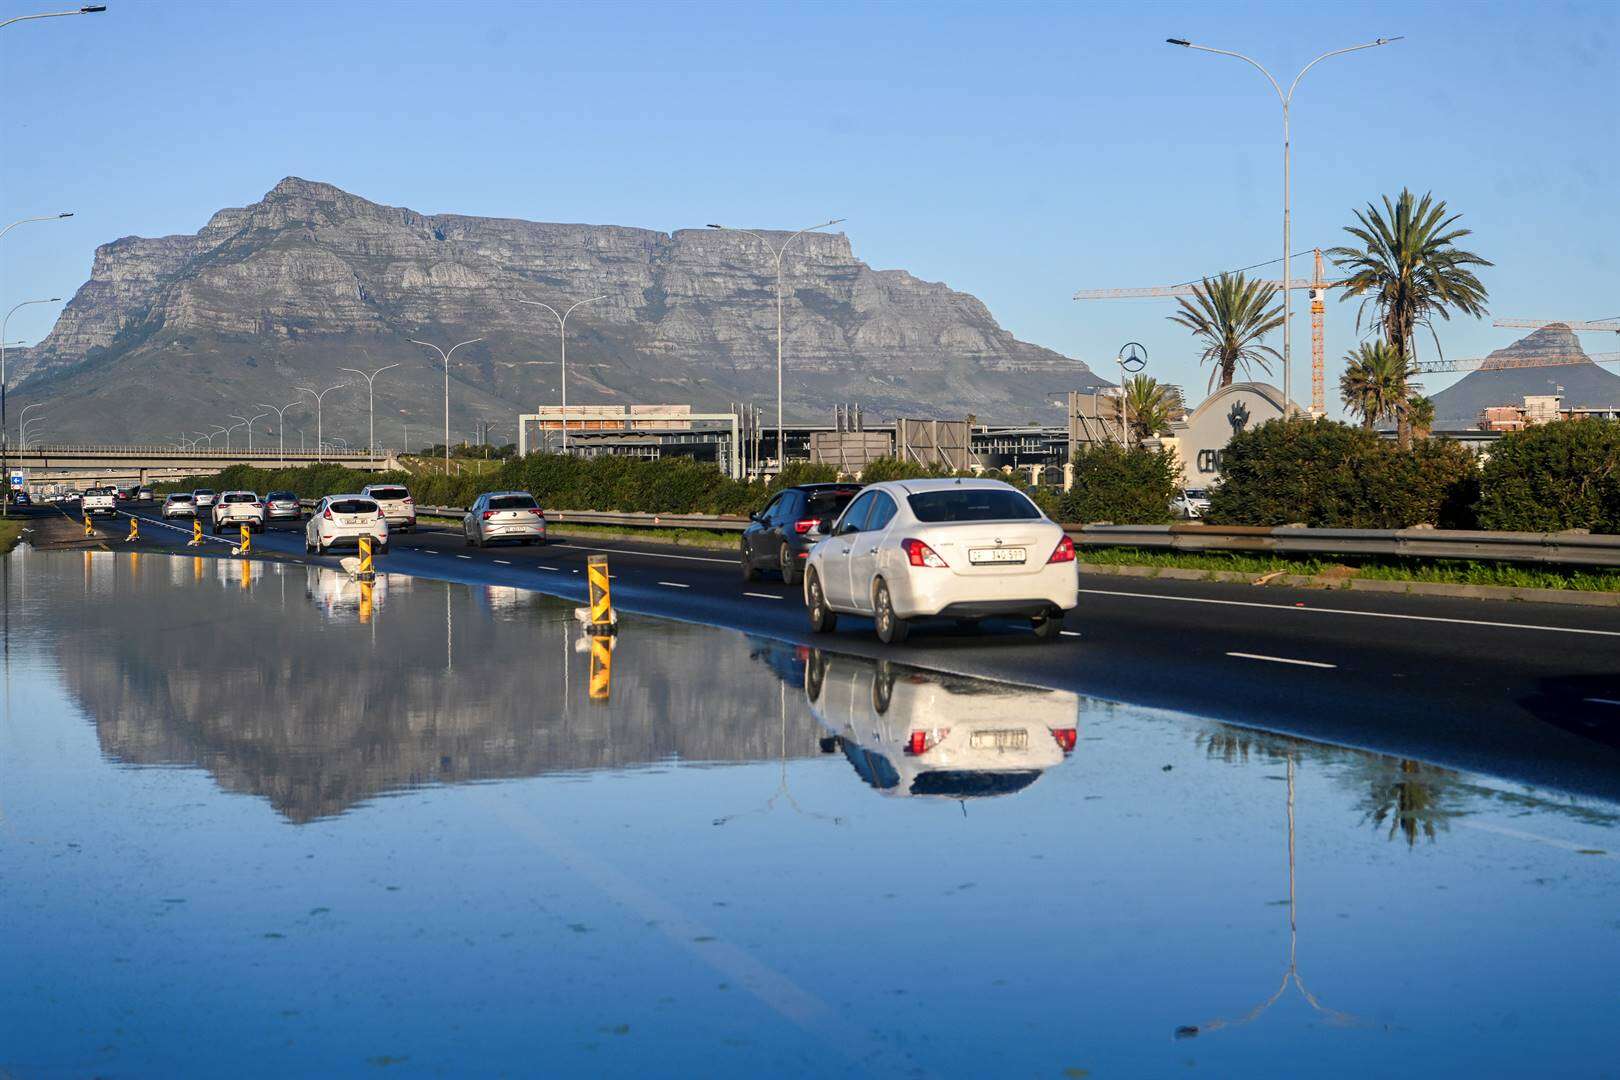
(47, 449)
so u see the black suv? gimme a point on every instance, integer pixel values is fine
(777, 538)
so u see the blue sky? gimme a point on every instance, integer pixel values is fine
(1015, 151)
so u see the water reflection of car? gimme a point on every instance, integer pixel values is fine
(1192, 503)
(912, 732)
(337, 594)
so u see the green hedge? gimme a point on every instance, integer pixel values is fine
(1554, 476)
(1126, 487)
(1333, 476)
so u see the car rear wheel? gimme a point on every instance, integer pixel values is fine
(822, 618)
(1049, 627)
(891, 628)
(790, 565)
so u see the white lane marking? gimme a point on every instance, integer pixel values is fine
(656, 554)
(674, 584)
(1348, 611)
(1280, 659)
(502, 562)
(1601, 701)
(765, 595)
(463, 556)
(543, 566)
(427, 551)
(1069, 633)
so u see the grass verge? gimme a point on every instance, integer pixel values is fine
(1441, 571)
(10, 530)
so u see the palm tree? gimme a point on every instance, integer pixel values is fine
(1375, 382)
(1420, 412)
(1408, 270)
(1231, 314)
(1150, 405)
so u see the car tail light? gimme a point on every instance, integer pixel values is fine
(920, 554)
(1066, 738)
(539, 513)
(380, 516)
(408, 501)
(1064, 552)
(802, 527)
(327, 513)
(921, 741)
(488, 514)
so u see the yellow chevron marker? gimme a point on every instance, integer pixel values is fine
(134, 529)
(246, 547)
(89, 529)
(367, 570)
(601, 668)
(596, 575)
(196, 533)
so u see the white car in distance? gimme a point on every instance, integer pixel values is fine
(179, 504)
(397, 505)
(237, 508)
(504, 515)
(961, 549)
(204, 499)
(343, 520)
(1192, 504)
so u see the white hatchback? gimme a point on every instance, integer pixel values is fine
(962, 549)
(344, 519)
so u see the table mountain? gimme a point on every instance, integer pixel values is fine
(178, 332)
(1501, 381)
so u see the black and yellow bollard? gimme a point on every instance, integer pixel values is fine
(246, 547)
(367, 571)
(134, 529)
(602, 620)
(365, 601)
(89, 529)
(601, 666)
(196, 533)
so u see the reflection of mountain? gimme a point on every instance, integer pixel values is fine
(278, 689)
(911, 732)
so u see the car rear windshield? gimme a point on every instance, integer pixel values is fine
(512, 502)
(389, 493)
(972, 504)
(281, 496)
(203, 491)
(353, 506)
(241, 497)
(180, 496)
(827, 504)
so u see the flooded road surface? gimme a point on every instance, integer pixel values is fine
(255, 820)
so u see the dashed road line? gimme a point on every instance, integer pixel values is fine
(464, 556)
(1351, 611)
(1281, 659)
(1069, 633)
(503, 562)
(656, 554)
(675, 584)
(764, 595)
(1601, 701)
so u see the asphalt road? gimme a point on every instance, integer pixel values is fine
(1529, 692)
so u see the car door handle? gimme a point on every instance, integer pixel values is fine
(871, 551)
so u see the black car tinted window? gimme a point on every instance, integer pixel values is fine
(883, 509)
(855, 516)
(390, 493)
(241, 497)
(827, 504)
(352, 506)
(511, 502)
(972, 504)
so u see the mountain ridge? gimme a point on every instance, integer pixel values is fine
(1584, 384)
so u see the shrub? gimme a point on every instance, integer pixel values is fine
(1554, 476)
(888, 468)
(1333, 476)
(1131, 486)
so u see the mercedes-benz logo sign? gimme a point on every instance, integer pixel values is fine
(1132, 357)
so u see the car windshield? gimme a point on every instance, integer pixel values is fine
(241, 497)
(512, 502)
(281, 496)
(389, 493)
(203, 491)
(828, 504)
(180, 498)
(972, 504)
(1196, 493)
(353, 506)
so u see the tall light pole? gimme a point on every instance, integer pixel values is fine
(318, 398)
(22, 418)
(23, 435)
(445, 356)
(249, 422)
(5, 444)
(220, 431)
(203, 435)
(371, 412)
(87, 9)
(777, 253)
(233, 427)
(281, 425)
(1286, 100)
(562, 337)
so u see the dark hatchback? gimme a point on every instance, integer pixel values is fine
(777, 538)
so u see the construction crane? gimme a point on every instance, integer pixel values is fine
(1317, 285)
(1430, 367)
(1611, 325)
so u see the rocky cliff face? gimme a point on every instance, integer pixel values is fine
(312, 278)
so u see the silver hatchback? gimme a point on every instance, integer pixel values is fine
(504, 515)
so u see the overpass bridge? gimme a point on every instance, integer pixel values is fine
(84, 465)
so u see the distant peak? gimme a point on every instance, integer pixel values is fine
(298, 187)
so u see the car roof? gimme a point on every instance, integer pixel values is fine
(826, 485)
(911, 487)
(352, 495)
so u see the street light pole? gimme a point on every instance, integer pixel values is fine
(562, 336)
(1287, 100)
(318, 399)
(281, 425)
(445, 356)
(777, 253)
(22, 418)
(5, 444)
(23, 434)
(371, 413)
(203, 435)
(87, 9)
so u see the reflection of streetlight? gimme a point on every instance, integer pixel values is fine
(562, 336)
(1291, 972)
(1287, 100)
(445, 356)
(777, 253)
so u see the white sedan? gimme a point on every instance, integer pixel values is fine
(961, 549)
(344, 519)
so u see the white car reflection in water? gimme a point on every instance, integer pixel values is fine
(339, 596)
(912, 732)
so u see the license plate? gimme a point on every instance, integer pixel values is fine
(999, 740)
(996, 555)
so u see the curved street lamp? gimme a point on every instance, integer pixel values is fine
(445, 356)
(371, 413)
(1286, 100)
(87, 9)
(200, 436)
(22, 436)
(562, 335)
(777, 253)
(319, 397)
(5, 447)
(281, 425)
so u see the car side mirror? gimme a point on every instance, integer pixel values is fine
(848, 527)
(757, 517)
